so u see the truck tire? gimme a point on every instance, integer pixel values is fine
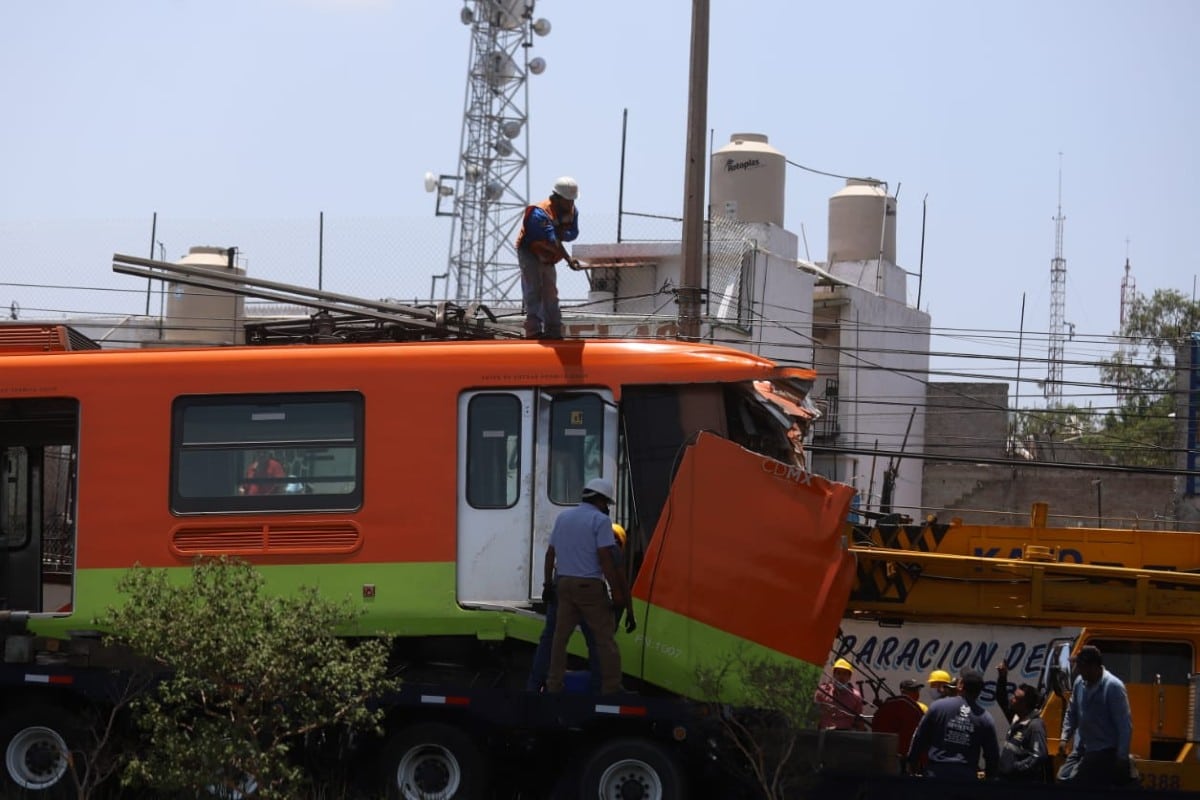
(632, 768)
(36, 742)
(433, 761)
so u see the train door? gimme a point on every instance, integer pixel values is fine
(524, 456)
(37, 504)
(576, 441)
(495, 503)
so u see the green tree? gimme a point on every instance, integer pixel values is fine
(248, 675)
(766, 734)
(1141, 431)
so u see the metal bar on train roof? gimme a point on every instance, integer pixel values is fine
(299, 295)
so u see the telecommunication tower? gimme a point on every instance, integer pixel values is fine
(1128, 290)
(490, 190)
(1058, 300)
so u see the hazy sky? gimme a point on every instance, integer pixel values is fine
(241, 110)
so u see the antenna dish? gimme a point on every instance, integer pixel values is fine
(542, 26)
(537, 66)
(431, 181)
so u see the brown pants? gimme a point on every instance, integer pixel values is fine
(586, 599)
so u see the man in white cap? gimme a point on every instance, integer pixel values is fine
(580, 552)
(546, 226)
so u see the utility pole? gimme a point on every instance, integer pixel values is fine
(693, 181)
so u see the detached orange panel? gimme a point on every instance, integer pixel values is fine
(752, 547)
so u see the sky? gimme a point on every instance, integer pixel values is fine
(241, 121)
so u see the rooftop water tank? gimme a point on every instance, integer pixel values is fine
(747, 180)
(199, 316)
(862, 223)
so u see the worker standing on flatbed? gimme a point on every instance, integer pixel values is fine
(580, 551)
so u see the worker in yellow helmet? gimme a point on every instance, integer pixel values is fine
(840, 701)
(941, 684)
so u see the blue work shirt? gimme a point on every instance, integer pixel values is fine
(955, 732)
(1099, 715)
(578, 533)
(540, 226)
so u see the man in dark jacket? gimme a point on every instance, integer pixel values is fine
(1024, 757)
(954, 732)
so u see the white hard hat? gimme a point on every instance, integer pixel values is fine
(566, 188)
(600, 486)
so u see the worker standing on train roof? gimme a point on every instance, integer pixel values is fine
(547, 225)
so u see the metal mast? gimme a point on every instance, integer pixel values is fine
(491, 188)
(1058, 299)
(1128, 290)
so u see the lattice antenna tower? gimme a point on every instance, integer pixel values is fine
(1128, 290)
(490, 191)
(1058, 301)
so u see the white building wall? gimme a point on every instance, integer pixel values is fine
(782, 329)
(880, 348)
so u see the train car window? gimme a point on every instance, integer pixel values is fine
(576, 444)
(493, 450)
(238, 453)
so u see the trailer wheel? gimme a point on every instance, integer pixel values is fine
(433, 761)
(632, 769)
(37, 751)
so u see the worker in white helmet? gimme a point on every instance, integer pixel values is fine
(580, 554)
(540, 666)
(547, 225)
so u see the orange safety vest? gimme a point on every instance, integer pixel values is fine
(545, 205)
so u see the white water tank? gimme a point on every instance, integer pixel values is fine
(862, 223)
(200, 316)
(747, 180)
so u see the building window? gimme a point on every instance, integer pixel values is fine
(576, 444)
(243, 453)
(493, 451)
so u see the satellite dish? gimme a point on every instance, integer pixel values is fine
(431, 181)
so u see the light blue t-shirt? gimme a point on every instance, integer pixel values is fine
(578, 533)
(1099, 715)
